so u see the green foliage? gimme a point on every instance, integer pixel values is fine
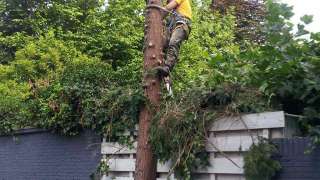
(179, 131)
(103, 167)
(48, 48)
(43, 58)
(36, 17)
(212, 37)
(110, 111)
(64, 98)
(287, 66)
(115, 34)
(307, 19)
(69, 65)
(258, 162)
(13, 109)
(10, 44)
(61, 88)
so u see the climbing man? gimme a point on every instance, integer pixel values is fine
(178, 29)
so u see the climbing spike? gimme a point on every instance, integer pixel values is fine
(168, 85)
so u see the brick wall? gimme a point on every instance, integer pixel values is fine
(296, 164)
(40, 155)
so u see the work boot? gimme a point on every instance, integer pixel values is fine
(163, 70)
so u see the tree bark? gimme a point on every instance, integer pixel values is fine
(146, 163)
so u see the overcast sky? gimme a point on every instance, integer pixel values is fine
(309, 7)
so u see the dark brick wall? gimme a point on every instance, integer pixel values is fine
(296, 164)
(40, 155)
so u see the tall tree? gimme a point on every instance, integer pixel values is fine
(19, 19)
(146, 163)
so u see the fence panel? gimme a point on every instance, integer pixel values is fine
(232, 136)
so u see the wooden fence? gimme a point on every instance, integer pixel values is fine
(233, 136)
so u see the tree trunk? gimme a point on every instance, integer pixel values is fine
(146, 163)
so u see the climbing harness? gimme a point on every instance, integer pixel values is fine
(176, 20)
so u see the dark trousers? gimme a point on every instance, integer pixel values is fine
(174, 40)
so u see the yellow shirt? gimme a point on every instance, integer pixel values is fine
(184, 8)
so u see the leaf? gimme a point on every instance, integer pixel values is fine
(307, 19)
(264, 86)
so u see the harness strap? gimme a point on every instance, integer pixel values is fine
(177, 18)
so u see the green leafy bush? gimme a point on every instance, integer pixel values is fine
(13, 106)
(57, 87)
(179, 131)
(77, 64)
(258, 162)
(286, 67)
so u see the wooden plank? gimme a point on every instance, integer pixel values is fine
(164, 167)
(163, 176)
(230, 177)
(121, 165)
(232, 141)
(223, 166)
(265, 133)
(128, 165)
(230, 135)
(226, 143)
(218, 165)
(121, 178)
(218, 177)
(202, 176)
(213, 177)
(253, 121)
(125, 178)
(277, 133)
(116, 148)
(265, 120)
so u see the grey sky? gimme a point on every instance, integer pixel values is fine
(309, 7)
